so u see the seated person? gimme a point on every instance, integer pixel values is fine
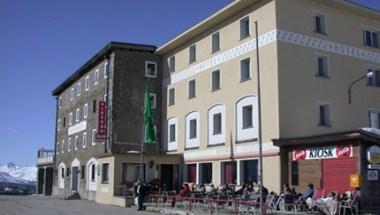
(307, 194)
(185, 190)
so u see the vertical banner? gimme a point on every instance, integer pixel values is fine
(101, 133)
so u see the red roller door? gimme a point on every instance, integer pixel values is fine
(336, 173)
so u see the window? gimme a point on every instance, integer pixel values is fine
(229, 172)
(105, 168)
(217, 123)
(150, 69)
(67, 172)
(324, 114)
(247, 117)
(215, 80)
(59, 102)
(72, 93)
(244, 28)
(93, 173)
(76, 143)
(94, 106)
(193, 128)
(191, 89)
(205, 173)
(191, 173)
(78, 89)
(153, 100)
(171, 63)
(172, 134)
(63, 147)
(77, 115)
(84, 139)
(245, 69)
(87, 83)
(105, 70)
(322, 66)
(370, 38)
(171, 97)
(319, 23)
(70, 119)
(85, 111)
(248, 171)
(93, 136)
(62, 172)
(373, 79)
(82, 172)
(294, 173)
(96, 76)
(374, 119)
(69, 144)
(130, 172)
(192, 54)
(215, 42)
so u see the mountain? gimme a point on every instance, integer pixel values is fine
(22, 173)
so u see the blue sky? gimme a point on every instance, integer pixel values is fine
(42, 42)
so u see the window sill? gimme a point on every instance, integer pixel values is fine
(191, 97)
(245, 80)
(215, 145)
(320, 33)
(173, 150)
(192, 148)
(324, 126)
(106, 182)
(244, 37)
(216, 89)
(322, 77)
(245, 141)
(214, 52)
(372, 47)
(374, 86)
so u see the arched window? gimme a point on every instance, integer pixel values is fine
(61, 178)
(92, 166)
(172, 134)
(192, 130)
(246, 119)
(216, 125)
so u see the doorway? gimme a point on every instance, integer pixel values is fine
(167, 176)
(74, 179)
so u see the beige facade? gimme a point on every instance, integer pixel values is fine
(292, 94)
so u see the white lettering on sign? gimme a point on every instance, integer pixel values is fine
(322, 153)
(77, 128)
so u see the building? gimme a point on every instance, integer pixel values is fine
(309, 54)
(45, 170)
(99, 124)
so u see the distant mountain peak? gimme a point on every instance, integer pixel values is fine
(28, 173)
(11, 165)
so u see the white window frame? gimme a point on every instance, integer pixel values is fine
(60, 102)
(70, 118)
(327, 57)
(96, 76)
(72, 94)
(171, 66)
(173, 145)
(192, 142)
(328, 122)
(87, 83)
(84, 139)
(69, 144)
(85, 111)
(246, 134)
(79, 89)
(155, 71)
(63, 146)
(216, 139)
(61, 180)
(377, 121)
(153, 104)
(212, 42)
(92, 184)
(76, 141)
(105, 97)
(372, 30)
(242, 37)
(77, 115)
(374, 69)
(93, 137)
(324, 25)
(249, 68)
(105, 70)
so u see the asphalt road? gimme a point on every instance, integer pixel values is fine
(42, 205)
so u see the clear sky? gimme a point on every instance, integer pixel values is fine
(43, 41)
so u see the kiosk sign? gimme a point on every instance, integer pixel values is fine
(322, 153)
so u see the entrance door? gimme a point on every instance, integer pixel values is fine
(167, 176)
(74, 179)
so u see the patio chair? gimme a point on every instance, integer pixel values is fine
(288, 203)
(350, 204)
(271, 203)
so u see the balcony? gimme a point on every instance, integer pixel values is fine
(45, 157)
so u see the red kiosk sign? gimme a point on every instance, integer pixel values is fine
(323, 153)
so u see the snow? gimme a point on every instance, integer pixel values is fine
(27, 173)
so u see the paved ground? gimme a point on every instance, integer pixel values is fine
(41, 205)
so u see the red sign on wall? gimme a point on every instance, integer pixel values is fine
(101, 133)
(323, 153)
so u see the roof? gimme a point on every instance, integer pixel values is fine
(101, 55)
(372, 134)
(238, 5)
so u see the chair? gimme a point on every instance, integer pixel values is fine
(271, 203)
(289, 203)
(350, 204)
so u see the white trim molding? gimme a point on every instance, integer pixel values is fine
(268, 38)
